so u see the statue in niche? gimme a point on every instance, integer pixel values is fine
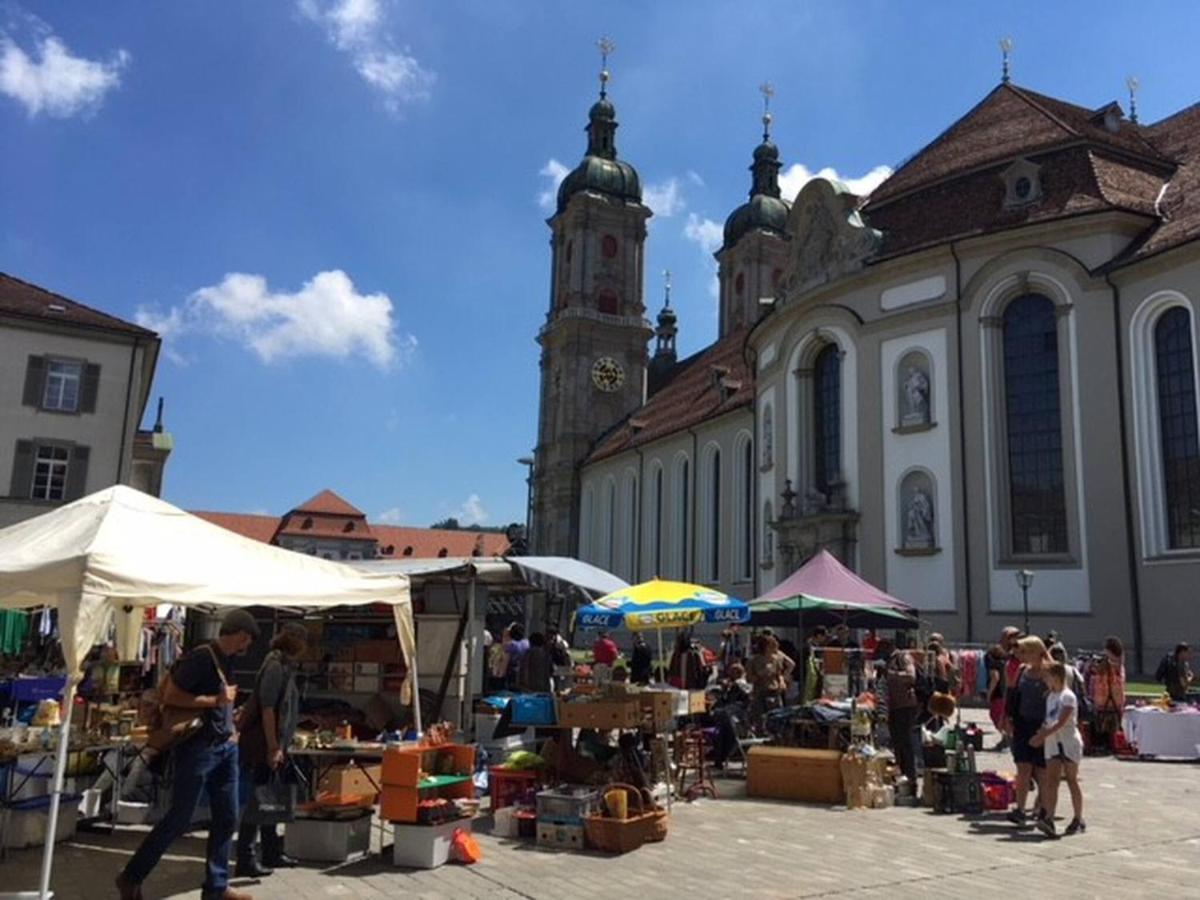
(918, 520)
(916, 397)
(768, 439)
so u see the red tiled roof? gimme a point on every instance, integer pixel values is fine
(20, 298)
(425, 543)
(1075, 180)
(1010, 122)
(260, 528)
(693, 395)
(429, 543)
(320, 525)
(329, 503)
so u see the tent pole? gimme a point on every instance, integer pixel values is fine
(60, 770)
(468, 699)
(661, 671)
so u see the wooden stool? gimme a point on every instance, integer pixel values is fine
(692, 759)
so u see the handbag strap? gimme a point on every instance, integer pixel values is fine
(217, 663)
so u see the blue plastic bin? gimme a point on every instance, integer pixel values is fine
(533, 709)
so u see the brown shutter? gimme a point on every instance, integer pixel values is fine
(91, 386)
(35, 381)
(22, 473)
(77, 472)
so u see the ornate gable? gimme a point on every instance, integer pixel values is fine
(829, 239)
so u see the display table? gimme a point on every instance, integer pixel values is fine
(1155, 732)
(367, 760)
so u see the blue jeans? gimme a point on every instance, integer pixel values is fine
(198, 765)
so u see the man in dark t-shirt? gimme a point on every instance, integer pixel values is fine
(202, 681)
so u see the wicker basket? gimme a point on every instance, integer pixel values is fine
(622, 835)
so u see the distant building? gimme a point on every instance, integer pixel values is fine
(74, 385)
(988, 365)
(329, 527)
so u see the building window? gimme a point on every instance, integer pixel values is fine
(1176, 386)
(63, 379)
(608, 303)
(714, 516)
(827, 418)
(746, 529)
(684, 529)
(608, 247)
(658, 522)
(50, 473)
(1037, 500)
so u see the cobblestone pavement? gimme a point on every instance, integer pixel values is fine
(1143, 840)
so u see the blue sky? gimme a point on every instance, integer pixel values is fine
(331, 207)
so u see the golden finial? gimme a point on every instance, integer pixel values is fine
(606, 47)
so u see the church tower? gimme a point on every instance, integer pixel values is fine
(594, 343)
(753, 255)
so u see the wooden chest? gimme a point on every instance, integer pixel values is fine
(793, 773)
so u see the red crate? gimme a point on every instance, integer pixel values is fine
(506, 785)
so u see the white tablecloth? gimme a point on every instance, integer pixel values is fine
(1158, 733)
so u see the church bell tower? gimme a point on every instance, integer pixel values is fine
(594, 343)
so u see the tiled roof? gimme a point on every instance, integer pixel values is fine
(329, 503)
(693, 394)
(429, 543)
(1010, 122)
(1075, 180)
(20, 298)
(260, 528)
(421, 543)
(321, 525)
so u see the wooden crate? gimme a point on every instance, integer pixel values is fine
(604, 715)
(792, 773)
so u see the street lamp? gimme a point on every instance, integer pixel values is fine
(528, 461)
(1024, 581)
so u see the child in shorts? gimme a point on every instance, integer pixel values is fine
(1063, 745)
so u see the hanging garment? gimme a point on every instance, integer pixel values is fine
(14, 625)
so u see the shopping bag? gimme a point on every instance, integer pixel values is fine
(464, 848)
(273, 802)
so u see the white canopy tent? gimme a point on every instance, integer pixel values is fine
(105, 556)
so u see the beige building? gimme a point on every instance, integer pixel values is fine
(74, 384)
(987, 366)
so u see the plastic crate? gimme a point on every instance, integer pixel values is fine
(560, 836)
(506, 786)
(533, 709)
(567, 804)
(957, 792)
(425, 846)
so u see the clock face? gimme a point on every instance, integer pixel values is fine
(607, 374)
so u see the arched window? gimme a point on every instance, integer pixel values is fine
(607, 302)
(827, 418)
(1037, 500)
(683, 523)
(657, 531)
(743, 500)
(714, 516)
(631, 526)
(1176, 386)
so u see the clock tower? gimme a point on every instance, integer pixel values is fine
(594, 343)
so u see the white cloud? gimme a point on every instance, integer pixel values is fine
(798, 175)
(665, 198)
(326, 317)
(694, 178)
(52, 80)
(393, 516)
(358, 29)
(472, 512)
(705, 232)
(556, 172)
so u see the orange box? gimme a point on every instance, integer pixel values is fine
(397, 804)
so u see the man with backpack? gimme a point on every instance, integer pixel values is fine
(201, 682)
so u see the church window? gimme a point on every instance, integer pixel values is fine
(631, 526)
(608, 247)
(744, 548)
(827, 418)
(683, 522)
(607, 302)
(658, 522)
(570, 250)
(739, 283)
(1037, 499)
(714, 516)
(1180, 442)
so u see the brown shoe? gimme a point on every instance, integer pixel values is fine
(127, 889)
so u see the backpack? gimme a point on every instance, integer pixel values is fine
(1163, 672)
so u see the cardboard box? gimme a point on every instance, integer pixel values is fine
(368, 668)
(792, 773)
(604, 715)
(367, 684)
(377, 652)
(697, 703)
(352, 780)
(657, 706)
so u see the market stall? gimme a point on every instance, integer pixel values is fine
(100, 559)
(1163, 731)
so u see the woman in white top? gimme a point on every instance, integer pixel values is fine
(1060, 737)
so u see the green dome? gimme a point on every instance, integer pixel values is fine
(611, 177)
(667, 317)
(760, 211)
